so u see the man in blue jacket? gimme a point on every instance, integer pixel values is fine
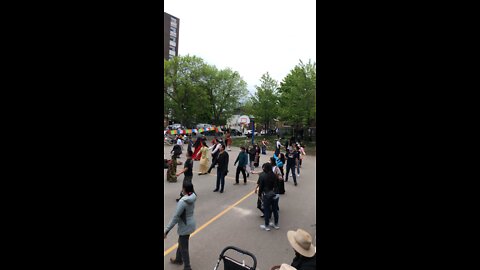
(242, 160)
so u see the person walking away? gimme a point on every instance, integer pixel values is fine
(264, 146)
(222, 169)
(291, 161)
(203, 159)
(267, 187)
(184, 218)
(242, 160)
(189, 142)
(216, 150)
(187, 170)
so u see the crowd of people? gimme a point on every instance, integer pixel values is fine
(270, 185)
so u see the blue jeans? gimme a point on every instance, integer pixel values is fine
(220, 179)
(291, 167)
(270, 205)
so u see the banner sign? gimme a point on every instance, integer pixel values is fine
(190, 131)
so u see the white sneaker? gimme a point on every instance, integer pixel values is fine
(274, 226)
(298, 175)
(264, 228)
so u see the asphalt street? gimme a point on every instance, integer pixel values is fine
(232, 219)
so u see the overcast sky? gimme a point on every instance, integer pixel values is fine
(249, 36)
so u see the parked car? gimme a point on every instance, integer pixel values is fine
(176, 126)
(235, 132)
(204, 126)
(248, 133)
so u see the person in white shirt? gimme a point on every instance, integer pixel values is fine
(180, 141)
(215, 153)
(277, 149)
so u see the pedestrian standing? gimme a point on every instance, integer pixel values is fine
(264, 146)
(300, 154)
(291, 162)
(242, 160)
(228, 139)
(278, 146)
(216, 150)
(267, 187)
(184, 217)
(257, 156)
(203, 168)
(251, 155)
(222, 169)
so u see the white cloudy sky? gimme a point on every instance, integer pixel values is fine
(249, 36)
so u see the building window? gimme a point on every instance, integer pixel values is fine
(173, 19)
(174, 39)
(172, 48)
(173, 29)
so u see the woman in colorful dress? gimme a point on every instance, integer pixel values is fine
(204, 159)
(197, 147)
(228, 139)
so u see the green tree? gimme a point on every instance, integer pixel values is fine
(297, 95)
(224, 88)
(184, 96)
(264, 103)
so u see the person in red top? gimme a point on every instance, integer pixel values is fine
(228, 139)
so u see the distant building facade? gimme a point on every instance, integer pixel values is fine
(171, 26)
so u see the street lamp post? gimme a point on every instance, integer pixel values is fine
(252, 119)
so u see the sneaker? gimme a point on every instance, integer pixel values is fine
(262, 216)
(172, 260)
(298, 175)
(215, 190)
(263, 227)
(274, 226)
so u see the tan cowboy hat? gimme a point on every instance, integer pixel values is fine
(287, 267)
(301, 241)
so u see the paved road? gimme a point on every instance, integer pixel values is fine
(232, 219)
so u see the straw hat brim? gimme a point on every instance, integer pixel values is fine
(304, 252)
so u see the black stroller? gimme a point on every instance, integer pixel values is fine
(231, 264)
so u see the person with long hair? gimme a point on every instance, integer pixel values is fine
(204, 159)
(184, 218)
(197, 147)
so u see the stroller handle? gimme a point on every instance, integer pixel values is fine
(241, 251)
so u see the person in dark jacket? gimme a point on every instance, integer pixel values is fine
(305, 251)
(292, 160)
(183, 216)
(267, 187)
(187, 170)
(242, 160)
(222, 169)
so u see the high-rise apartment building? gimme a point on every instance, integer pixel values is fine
(171, 25)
